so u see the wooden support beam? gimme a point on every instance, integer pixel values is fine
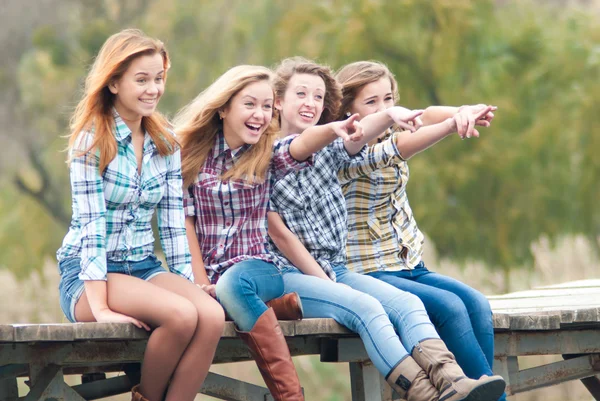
(226, 388)
(367, 383)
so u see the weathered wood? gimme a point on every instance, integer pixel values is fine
(226, 388)
(555, 373)
(546, 343)
(367, 383)
(8, 389)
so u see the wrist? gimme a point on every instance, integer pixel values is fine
(450, 125)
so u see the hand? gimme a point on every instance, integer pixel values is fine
(405, 118)
(210, 289)
(348, 129)
(109, 316)
(470, 116)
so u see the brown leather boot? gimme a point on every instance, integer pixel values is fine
(272, 355)
(136, 395)
(287, 307)
(445, 374)
(410, 381)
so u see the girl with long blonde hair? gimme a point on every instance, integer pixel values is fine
(384, 241)
(124, 165)
(231, 155)
(308, 227)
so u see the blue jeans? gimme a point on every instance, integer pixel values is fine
(461, 314)
(373, 309)
(71, 287)
(245, 287)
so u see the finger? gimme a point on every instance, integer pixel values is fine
(341, 133)
(483, 112)
(145, 326)
(470, 127)
(351, 119)
(459, 125)
(406, 126)
(135, 323)
(475, 133)
(482, 123)
(418, 123)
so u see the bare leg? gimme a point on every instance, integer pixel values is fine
(195, 362)
(173, 317)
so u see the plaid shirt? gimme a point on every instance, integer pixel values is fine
(112, 212)
(312, 205)
(383, 234)
(231, 216)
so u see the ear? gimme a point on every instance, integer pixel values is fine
(113, 87)
(222, 114)
(277, 104)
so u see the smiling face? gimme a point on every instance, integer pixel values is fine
(373, 97)
(302, 104)
(248, 114)
(138, 91)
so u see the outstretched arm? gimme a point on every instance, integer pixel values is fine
(313, 139)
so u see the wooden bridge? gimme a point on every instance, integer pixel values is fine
(556, 320)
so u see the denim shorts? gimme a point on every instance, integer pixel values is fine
(71, 287)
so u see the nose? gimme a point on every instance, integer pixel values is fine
(152, 88)
(309, 101)
(381, 106)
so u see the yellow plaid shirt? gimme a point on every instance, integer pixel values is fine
(382, 231)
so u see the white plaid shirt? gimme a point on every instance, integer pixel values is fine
(312, 205)
(112, 212)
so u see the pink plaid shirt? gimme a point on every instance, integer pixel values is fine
(231, 216)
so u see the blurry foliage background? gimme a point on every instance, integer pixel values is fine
(533, 176)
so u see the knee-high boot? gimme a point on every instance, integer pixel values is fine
(272, 355)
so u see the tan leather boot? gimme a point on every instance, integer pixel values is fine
(272, 355)
(287, 307)
(445, 374)
(410, 381)
(136, 395)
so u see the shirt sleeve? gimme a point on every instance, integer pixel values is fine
(283, 162)
(171, 221)
(89, 205)
(339, 151)
(380, 155)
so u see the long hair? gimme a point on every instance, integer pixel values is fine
(354, 76)
(299, 65)
(198, 124)
(94, 111)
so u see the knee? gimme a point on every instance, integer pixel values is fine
(211, 317)
(365, 304)
(183, 320)
(403, 300)
(452, 307)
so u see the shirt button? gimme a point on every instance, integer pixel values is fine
(221, 246)
(228, 223)
(225, 203)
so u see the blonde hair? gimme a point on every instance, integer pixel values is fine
(354, 76)
(198, 124)
(94, 111)
(299, 65)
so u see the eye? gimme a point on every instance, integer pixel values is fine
(389, 99)
(268, 106)
(319, 97)
(249, 104)
(141, 80)
(301, 94)
(159, 79)
(371, 102)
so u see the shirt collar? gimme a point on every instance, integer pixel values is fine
(221, 147)
(122, 131)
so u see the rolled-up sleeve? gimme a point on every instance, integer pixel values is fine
(283, 162)
(88, 200)
(383, 154)
(171, 221)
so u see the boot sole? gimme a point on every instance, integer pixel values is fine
(489, 391)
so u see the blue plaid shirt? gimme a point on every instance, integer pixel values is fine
(112, 212)
(312, 206)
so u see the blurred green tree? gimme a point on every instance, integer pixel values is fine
(533, 174)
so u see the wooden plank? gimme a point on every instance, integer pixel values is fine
(43, 332)
(546, 343)
(228, 389)
(8, 389)
(552, 374)
(367, 384)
